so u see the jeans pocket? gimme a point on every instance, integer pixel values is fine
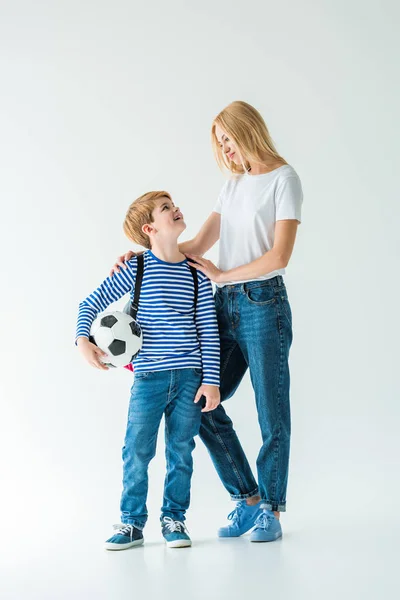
(142, 374)
(286, 310)
(261, 295)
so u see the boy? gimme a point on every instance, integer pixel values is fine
(177, 365)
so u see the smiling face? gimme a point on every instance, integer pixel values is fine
(228, 147)
(168, 222)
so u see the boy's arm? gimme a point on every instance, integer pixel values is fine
(208, 334)
(112, 289)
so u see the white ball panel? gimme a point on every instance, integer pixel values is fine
(103, 338)
(95, 326)
(133, 345)
(122, 331)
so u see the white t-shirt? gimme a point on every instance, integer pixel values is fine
(249, 206)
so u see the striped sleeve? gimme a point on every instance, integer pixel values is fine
(111, 290)
(207, 332)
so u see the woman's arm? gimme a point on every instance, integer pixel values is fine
(205, 239)
(276, 258)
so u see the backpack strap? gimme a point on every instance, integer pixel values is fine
(138, 286)
(196, 285)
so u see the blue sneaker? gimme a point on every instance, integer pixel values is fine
(175, 533)
(267, 527)
(125, 536)
(243, 518)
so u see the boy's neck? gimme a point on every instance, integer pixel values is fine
(168, 252)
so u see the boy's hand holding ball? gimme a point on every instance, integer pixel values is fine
(91, 353)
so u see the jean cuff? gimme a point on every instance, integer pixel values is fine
(275, 506)
(175, 516)
(138, 524)
(244, 496)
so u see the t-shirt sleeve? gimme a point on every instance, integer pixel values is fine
(218, 206)
(289, 199)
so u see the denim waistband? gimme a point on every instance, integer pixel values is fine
(276, 281)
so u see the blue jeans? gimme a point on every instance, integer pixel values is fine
(153, 394)
(255, 325)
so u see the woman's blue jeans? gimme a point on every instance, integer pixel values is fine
(154, 394)
(255, 325)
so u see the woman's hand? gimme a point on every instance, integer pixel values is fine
(121, 261)
(206, 266)
(91, 353)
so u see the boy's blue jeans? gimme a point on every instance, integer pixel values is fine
(153, 394)
(255, 325)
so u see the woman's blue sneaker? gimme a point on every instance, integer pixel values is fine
(267, 527)
(175, 533)
(125, 536)
(242, 518)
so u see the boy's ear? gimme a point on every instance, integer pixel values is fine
(147, 229)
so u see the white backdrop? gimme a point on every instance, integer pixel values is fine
(103, 101)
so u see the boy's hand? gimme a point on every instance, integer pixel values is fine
(121, 261)
(91, 353)
(211, 392)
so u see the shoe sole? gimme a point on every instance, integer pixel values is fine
(112, 546)
(179, 544)
(231, 537)
(277, 537)
(238, 535)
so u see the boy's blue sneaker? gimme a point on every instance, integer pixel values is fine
(125, 536)
(175, 533)
(267, 527)
(242, 519)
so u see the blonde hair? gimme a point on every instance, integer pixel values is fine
(140, 213)
(247, 129)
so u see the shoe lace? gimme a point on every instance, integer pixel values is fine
(234, 516)
(124, 529)
(174, 525)
(264, 520)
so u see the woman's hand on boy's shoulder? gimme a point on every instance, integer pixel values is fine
(91, 353)
(121, 260)
(206, 266)
(212, 396)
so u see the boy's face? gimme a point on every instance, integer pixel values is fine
(168, 221)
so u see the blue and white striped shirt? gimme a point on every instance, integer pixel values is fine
(174, 337)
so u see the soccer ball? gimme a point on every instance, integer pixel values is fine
(118, 335)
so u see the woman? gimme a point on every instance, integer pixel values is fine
(255, 219)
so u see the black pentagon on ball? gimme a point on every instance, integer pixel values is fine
(135, 328)
(117, 347)
(108, 321)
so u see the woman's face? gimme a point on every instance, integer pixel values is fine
(228, 147)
